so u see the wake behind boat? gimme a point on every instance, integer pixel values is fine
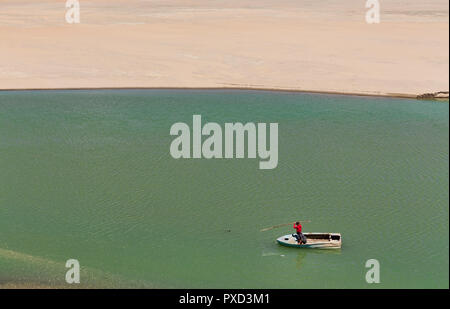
(314, 240)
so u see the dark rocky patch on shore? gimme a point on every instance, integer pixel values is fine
(433, 96)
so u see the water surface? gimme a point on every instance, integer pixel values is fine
(88, 175)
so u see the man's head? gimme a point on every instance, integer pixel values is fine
(297, 223)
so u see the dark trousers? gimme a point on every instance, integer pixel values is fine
(300, 238)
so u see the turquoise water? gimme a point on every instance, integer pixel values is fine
(88, 175)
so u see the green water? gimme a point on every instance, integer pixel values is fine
(88, 175)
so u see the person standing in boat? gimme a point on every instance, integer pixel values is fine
(301, 239)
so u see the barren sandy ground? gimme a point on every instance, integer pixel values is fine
(301, 45)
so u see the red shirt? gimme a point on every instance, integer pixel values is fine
(298, 227)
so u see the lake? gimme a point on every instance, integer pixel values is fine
(88, 175)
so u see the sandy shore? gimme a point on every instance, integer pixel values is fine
(23, 271)
(294, 45)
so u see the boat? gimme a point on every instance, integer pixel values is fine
(314, 240)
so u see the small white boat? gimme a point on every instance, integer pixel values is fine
(314, 240)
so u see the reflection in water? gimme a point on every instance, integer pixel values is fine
(302, 253)
(300, 259)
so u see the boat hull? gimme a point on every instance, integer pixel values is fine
(314, 241)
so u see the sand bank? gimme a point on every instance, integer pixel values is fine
(284, 45)
(23, 271)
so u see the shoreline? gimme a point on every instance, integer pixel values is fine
(44, 273)
(289, 90)
(268, 45)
